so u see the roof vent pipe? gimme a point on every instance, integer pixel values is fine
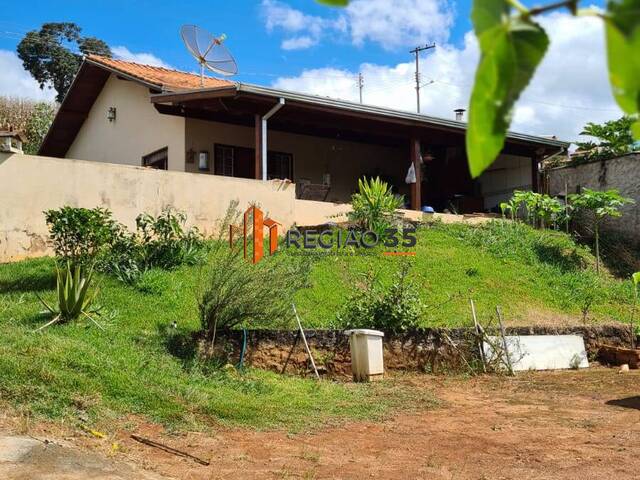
(459, 114)
(265, 149)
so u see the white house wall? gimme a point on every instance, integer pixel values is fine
(137, 131)
(312, 156)
(508, 173)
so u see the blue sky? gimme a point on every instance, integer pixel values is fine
(142, 26)
(302, 45)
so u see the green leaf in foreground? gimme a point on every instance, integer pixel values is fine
(334, 3)
(511, 49)
(623, 53)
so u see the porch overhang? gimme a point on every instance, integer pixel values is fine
(328, 117)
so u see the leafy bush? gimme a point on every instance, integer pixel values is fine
(79, 235)
(396, 308)
(87, 236)
(374, 205)
(74, 297)
(235, 292)
(538, 208)
(165, 242)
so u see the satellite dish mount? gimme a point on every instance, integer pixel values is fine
(209, 51)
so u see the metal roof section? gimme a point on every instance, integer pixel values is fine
(349, 106)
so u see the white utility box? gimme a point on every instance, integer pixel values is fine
(366, 354)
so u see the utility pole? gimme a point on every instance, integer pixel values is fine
(360, 84)
(417, 51)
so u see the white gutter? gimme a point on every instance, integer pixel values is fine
(266, 117)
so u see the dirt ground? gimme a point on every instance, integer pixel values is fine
(546, 425)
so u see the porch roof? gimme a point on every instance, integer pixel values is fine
(312, 114)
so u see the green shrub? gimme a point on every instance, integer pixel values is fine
(395, 308)
(374, 205)
(79, 235)
(165, 242)
(158, 242)
(234, 292)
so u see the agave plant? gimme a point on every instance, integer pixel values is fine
(374, 205)
(74, 297)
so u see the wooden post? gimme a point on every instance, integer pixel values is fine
(504, 341)
(258, 235)
(306, 345)
(414, 155)
(258, 147)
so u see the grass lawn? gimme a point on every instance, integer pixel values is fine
(535, 276)
(76, 370)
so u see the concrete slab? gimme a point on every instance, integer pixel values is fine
(543, 352)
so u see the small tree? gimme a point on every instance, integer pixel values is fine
(601, 205)
(614, 138)
(45, 53)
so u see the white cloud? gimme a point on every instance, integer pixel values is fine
(15, 81)
(570, 87)
(399, 23)
(390, 23)
(307, 29)
(299, 43)
(123, 53)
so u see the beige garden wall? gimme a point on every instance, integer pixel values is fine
(30, 184)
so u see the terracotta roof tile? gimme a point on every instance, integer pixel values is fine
(164, 78)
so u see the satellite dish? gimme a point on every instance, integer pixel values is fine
(208, 51)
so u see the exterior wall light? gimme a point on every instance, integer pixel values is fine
(203, 161)
(111, 114)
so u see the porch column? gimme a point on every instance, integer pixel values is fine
(258, 147)
(535, 174)
(414, 155)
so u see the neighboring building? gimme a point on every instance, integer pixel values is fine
(122, 112)
(621, 173)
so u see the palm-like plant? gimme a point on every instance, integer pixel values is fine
(374, 205)
(74, 298)
(601, 205)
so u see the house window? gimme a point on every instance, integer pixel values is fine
(158, 159)
(279, 165)
(223, 161)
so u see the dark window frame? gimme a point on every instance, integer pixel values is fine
(276, 152)
(215, 158)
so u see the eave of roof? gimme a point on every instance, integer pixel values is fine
(337, 104)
